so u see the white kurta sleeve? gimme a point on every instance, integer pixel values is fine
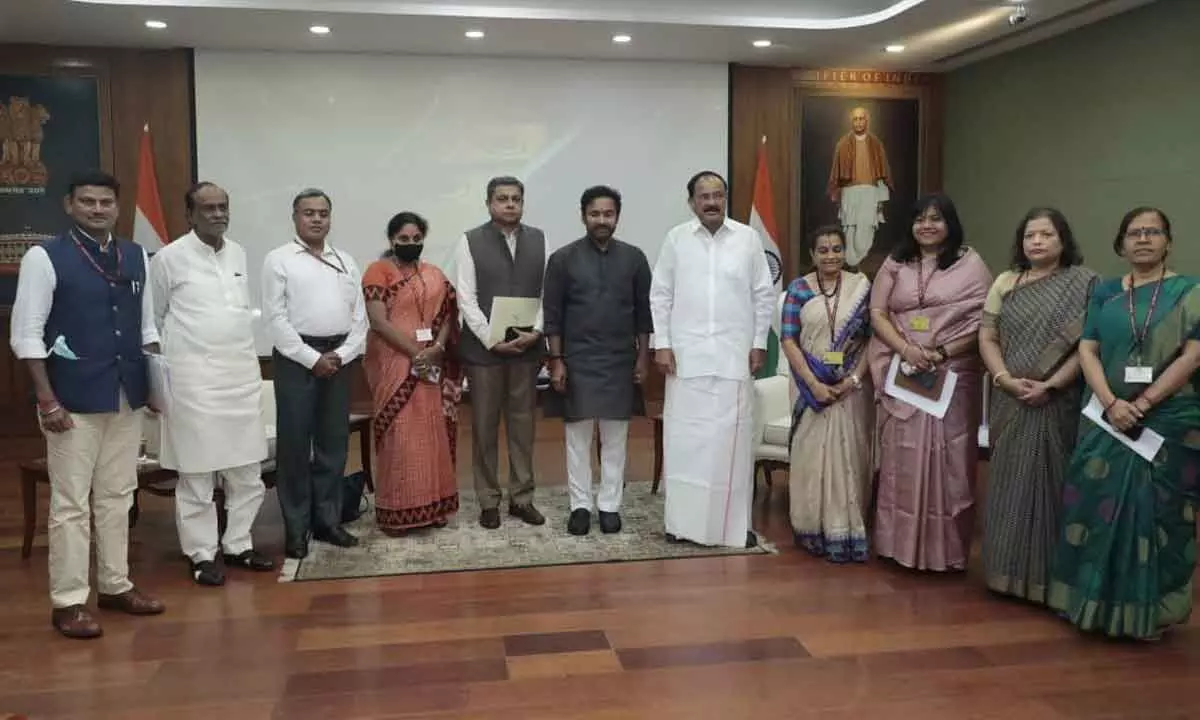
(274, 302)
(468, 299)
(31, 307)
(356, 340)
(764, 295)
(662, 294)
(155, 299)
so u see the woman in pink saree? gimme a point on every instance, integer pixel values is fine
(415, 382)
(926, 306)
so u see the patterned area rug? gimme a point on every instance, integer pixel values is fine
(463, 545)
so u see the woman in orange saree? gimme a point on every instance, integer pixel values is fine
(415, 382)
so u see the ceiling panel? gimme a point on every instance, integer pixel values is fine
(937, 34)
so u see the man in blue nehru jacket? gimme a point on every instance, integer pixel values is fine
(77, 322)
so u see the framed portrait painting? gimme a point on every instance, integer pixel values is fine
(865, 153)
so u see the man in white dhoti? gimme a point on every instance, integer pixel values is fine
(712, 301)
(212, 423)
(860, 182)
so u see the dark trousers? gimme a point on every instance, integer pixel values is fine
(508, 390)
(312, 429)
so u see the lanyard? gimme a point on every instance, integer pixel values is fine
(1139, 336)
(831, 313)
(418, 297)
(923, 282)
(321, 258)
(114, 279)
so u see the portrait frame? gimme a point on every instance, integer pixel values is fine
(811, 88)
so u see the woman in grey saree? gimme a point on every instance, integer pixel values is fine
(1032, 323)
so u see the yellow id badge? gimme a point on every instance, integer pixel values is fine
(834, 358)
(920, 323)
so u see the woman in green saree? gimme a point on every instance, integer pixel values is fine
(1127, 550)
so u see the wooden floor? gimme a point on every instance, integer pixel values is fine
(744, 637)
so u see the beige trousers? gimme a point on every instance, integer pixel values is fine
(98, 457)
(507, 391)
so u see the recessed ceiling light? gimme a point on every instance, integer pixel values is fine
(621, 38)
(156, 25)
(895, 48)
(474, 34)
(319, 29)
(762, 43)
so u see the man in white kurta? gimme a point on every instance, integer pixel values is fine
(212, 423)
(712, 301)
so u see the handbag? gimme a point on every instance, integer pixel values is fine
(353, 496)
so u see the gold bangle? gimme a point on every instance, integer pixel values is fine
(997, 378)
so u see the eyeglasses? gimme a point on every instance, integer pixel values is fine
(1150, 233)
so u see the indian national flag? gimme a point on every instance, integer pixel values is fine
(762, 219)
(149, 228)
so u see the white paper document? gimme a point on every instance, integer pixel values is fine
(160, 382)
(511, 312)
(936, 408)
(1147, 445)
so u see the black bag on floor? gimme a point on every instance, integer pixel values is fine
(352, 496)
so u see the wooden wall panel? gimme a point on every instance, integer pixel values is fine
(136, 87)
(761, 105)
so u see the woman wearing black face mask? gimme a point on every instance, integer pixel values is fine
(415, 382)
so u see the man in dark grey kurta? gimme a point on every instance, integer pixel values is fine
(596, 305)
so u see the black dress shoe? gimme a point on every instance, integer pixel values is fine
(528, 513)
(207, 573)
(489, 518)
(610, 522)
(337, 536)
(580, 522)
(249, 560)
(297, 551)
(751, 539)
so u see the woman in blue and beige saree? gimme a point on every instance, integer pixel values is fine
(825, 326)
(1127, 550)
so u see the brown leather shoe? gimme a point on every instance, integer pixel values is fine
(528, 513)
(75, 622)
(131, 602)
(489, 518)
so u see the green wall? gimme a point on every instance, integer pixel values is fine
(1093, 122)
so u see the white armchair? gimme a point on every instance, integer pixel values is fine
(774, 398)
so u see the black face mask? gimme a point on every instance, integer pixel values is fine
(407, 252)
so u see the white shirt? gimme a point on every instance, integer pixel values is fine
(35, 296)
(712, 299)
(465, 286)
(202, 298)
(303, 295)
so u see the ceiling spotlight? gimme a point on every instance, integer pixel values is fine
(762, 43)
(319, 29)
(156, 25)
(474, 34)
(622, 38)
(894, 48)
